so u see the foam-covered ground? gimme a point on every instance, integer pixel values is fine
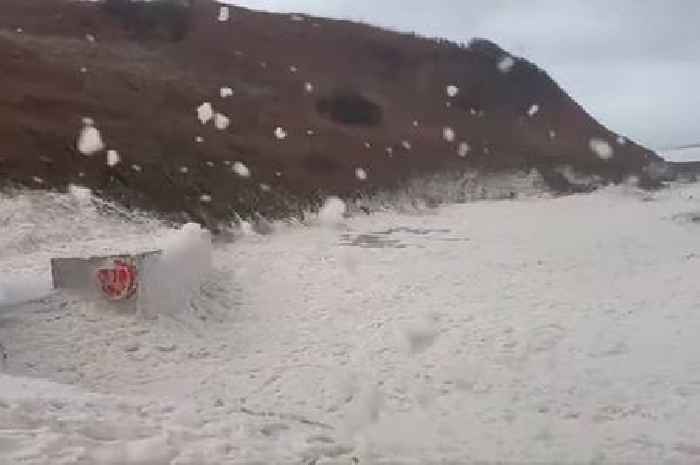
(552, 330)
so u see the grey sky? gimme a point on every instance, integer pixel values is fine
(633, 64)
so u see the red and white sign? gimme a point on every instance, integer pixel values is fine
(118, 280)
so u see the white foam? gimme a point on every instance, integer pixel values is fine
(205, 112)
(175, 278)
(280, 133)
(90, 141)
(81, 193)
(463, 149)
(332, 212)
(506, 64)
(224, 14)
(221, 121)
(113, 158)
(241, 170)
(305, 359)
(452, 90)
(360, 174)
(601, 148)
(18, 288)
(448, 134)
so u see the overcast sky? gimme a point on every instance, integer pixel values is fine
(633, 64)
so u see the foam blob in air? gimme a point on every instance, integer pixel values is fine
(224, 14)
(463, 149)
(113, 158)
(360, 174)
(448, 134)
(221, 121)
(280, 133)
(241, 170)
(421, 334)
(601, 148)
(90, 139)
(332, 211)
(205, 112)
(506, 63)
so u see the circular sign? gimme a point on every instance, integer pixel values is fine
(119, 280)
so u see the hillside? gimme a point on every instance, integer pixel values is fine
(312, 106)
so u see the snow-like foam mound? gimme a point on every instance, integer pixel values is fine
(373, 341)
(175, 278)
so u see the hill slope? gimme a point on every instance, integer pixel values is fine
(345, 95)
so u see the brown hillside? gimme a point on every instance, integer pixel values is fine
(148, 70)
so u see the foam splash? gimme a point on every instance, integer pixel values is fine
(332, 212)
(171, 282)
(17, 289)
